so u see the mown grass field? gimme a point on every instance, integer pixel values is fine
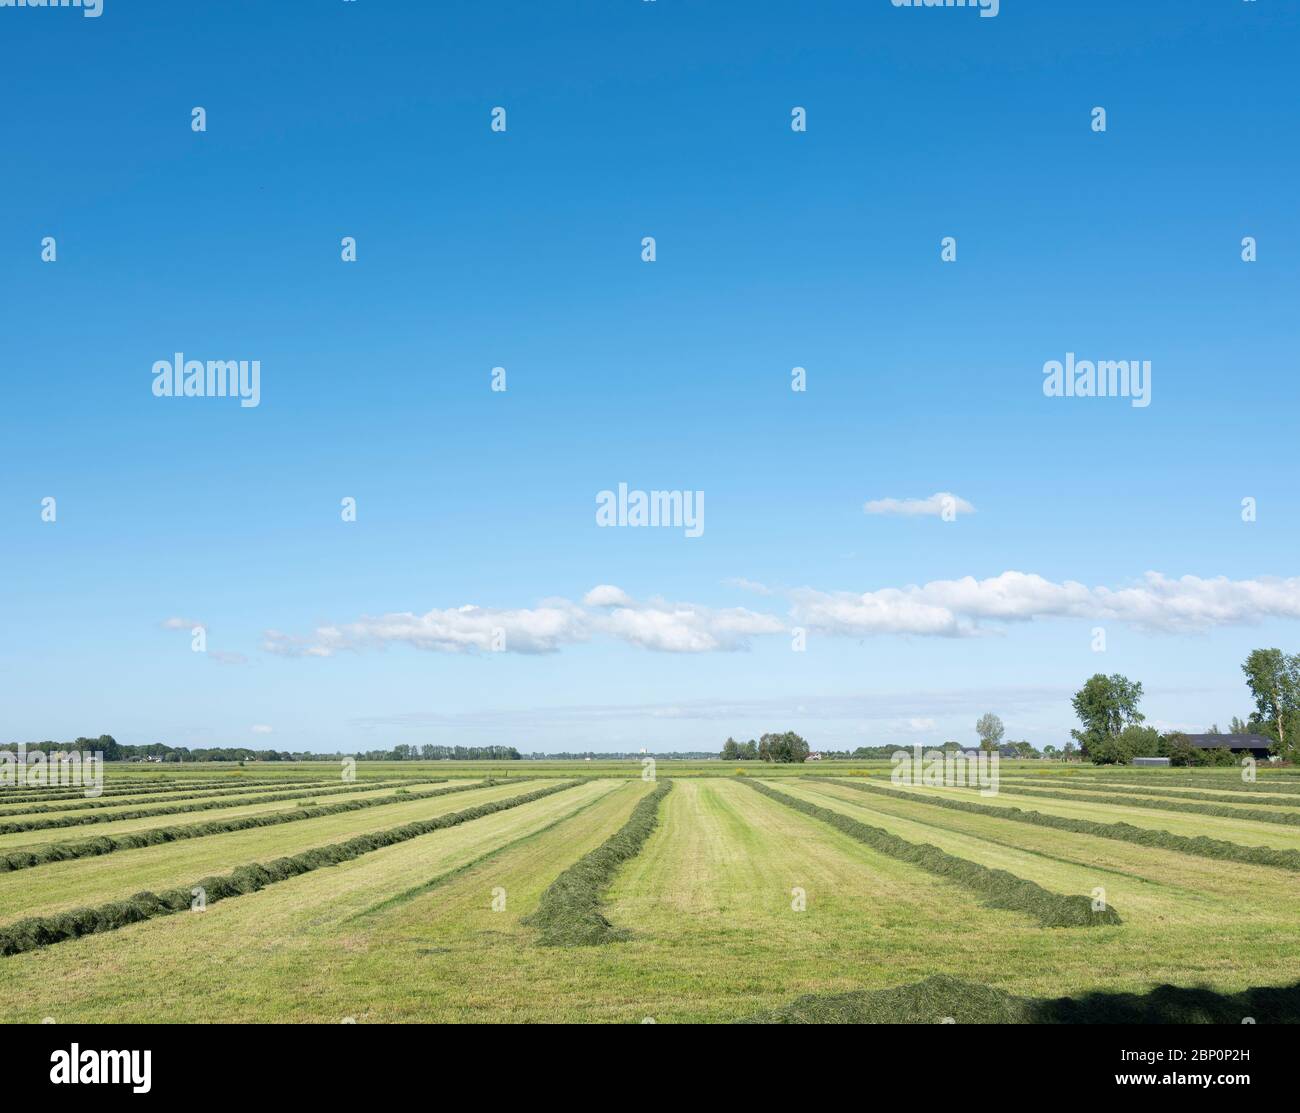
(577, 891)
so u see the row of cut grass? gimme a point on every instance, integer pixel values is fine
(1199, 846)
(205, 804)
(305, 787)
(1137, 780)
(60, 886)
(41, 931)
(998, 888)
(1205, 795)
(60, 793)
(234, 809)
(1257, 815)
(1149, 884)
(156, 836)
(305, 951)
(569, 913)
(415, 892)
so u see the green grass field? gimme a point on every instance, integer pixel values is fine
(728, 902)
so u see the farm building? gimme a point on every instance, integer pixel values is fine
(1254, 744)
(1150, 761)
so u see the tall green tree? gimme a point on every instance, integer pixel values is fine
(787, 748)
(1274, 681)
(990, 730)
(1105, 706)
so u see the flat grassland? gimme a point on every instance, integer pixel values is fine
(241, 894)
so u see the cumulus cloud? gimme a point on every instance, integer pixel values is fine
(932, 507)
(542, 629)
(606, 610)
(964, 607)
(606, 595)
(955, 608)
(685, 627)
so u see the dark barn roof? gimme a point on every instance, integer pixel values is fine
(1231, 741)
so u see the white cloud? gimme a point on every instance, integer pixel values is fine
(932, 507)
(955, 608)
(652, 624)
(460, 630)
(606, 595)
(176, 623)
(260, 728)
(964, 607)
(685, 627)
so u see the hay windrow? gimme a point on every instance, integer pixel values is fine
(1013, 785)
(941, 997)
(298, 788)
(998, 888)
(203, 804)
(1258, 815)
(569, 914)
(41, 931)
(1137, 783)
(108, 844)
(1200, 846)
(28, 795)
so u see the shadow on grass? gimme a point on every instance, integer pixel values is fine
(941, 997)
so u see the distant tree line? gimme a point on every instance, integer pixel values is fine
(116, 751)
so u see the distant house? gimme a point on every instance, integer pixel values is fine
(814, 756)
(1254, 744)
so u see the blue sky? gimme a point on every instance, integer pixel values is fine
(522, 249)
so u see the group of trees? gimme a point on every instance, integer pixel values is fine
(1112, 733)
(1112, 730)
(787, 748)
